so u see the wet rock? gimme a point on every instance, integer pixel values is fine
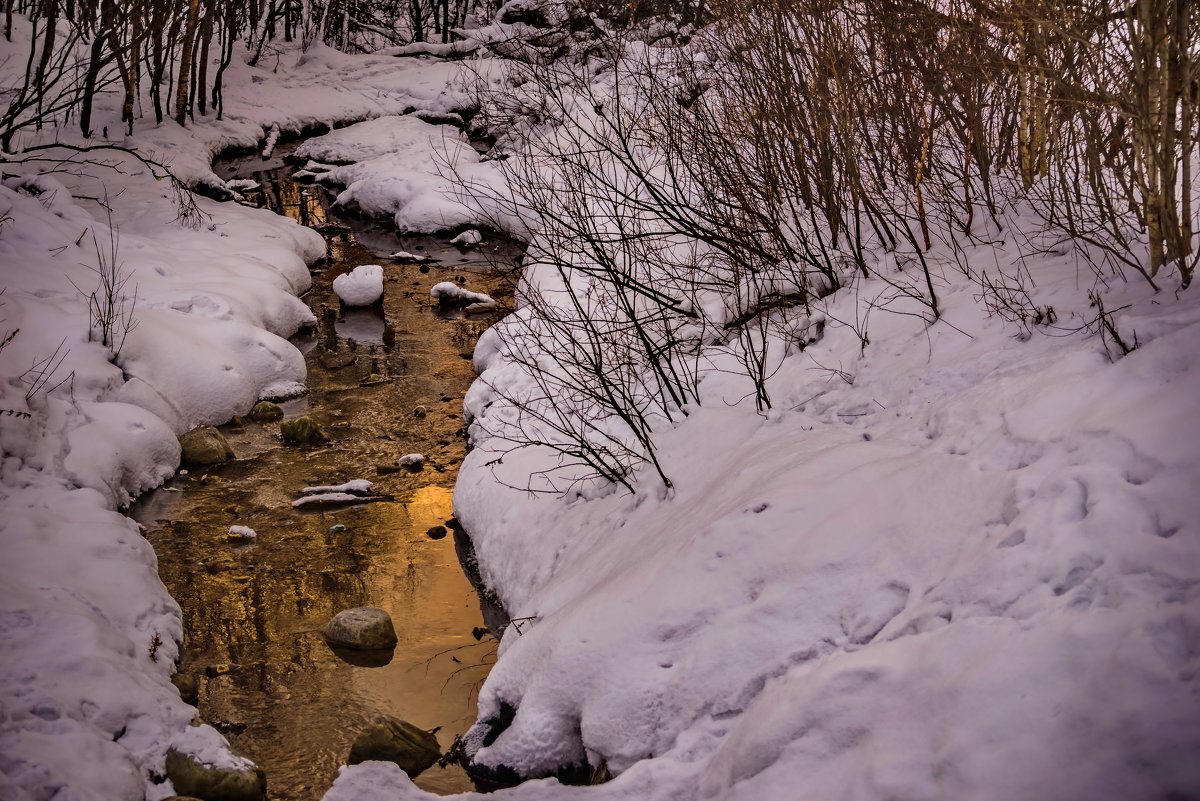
(393, 740)
(365, 627)
(237, 421)
(302, 431)
(193, 778)
(266, 412)
(204, 445)
(436, 533)
(189, 688)
(420, 411)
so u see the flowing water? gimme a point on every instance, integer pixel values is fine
(383, 382)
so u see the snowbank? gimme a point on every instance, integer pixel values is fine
(964, 570)
(88, 634)
(404, 168)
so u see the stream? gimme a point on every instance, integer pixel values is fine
(383, 382)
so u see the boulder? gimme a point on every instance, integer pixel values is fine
(204, 445)
(266, 412)
(392, 740)
(194, 778)
(302, 431)
(365, 628)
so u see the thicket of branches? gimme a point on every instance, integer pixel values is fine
(793, 144)
(177, 51)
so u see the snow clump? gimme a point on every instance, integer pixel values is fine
(449, 293)
(362, 286)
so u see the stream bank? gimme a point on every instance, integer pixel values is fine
(383, 382)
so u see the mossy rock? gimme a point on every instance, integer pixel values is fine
(266, 412)
(194, 779)
(393, 740)
(302, 431)
(204, 446)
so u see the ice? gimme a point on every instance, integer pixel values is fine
(362, 286)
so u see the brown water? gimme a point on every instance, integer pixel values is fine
(293, 705)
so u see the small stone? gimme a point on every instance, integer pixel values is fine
(204, 445)
(392, 740)
(266, 412)
(302, 431)
(420, 411)
(191, 777)
(337, 528)
(436, 533)
(366, 628)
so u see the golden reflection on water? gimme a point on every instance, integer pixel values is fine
(292, 704)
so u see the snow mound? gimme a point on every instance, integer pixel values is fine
(410, 460)
(467, 238)
(451, 294)
(242, 533)
(362, 286)
(404, 168)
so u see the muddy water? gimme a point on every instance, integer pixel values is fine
(292, 704)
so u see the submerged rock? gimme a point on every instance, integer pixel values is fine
(302, 431)
(365, 627)
(436, 533)
(204, 445)
(393, 740)
(266, 412)
(194, 778)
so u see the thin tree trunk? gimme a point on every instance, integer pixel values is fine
(183, 82)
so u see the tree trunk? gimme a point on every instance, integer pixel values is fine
(183, 82)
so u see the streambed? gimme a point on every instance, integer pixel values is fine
(383, 382)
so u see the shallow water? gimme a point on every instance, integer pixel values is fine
(292, 704)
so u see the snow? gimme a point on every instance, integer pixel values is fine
(362, 286)
(326, 497)
(962, 567)
(467, 238)
(358, 486)
(402, 167)
(242, 532)
(209, 747)
(452, 293)
(410, 460)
